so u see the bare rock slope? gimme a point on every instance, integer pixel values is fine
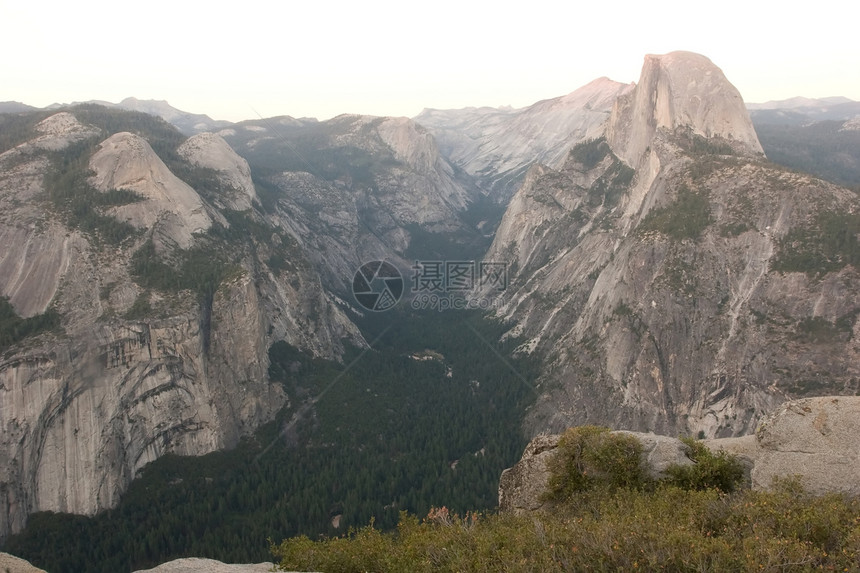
(211, 151)
(12, 564)
(197, 565)
(126, 161)
(679, 90)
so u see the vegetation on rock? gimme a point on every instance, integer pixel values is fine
(720, 471)
(685, 218)
(14, 329)
(588, 456)
(829, 243)
(610, 517)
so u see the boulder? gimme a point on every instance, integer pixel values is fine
(521, 486)
(815, 439)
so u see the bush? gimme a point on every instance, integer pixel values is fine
(719, 471)
(667, 529)
(590, 456)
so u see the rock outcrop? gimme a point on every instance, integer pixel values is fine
(679, 90)
(813, 439)
(211, 151)
(522, 486)
(12, 564)
(126, 161)
(198, 565)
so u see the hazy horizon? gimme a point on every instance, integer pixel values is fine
(386, 58)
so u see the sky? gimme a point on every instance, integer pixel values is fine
(250, 59)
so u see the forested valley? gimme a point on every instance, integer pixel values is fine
(428, 416)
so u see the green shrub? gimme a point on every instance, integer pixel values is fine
(667, 529)
(720, 471)
(590, 456)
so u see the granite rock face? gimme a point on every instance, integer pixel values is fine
(814, 439)
(679, 90)
(83, 408)
(211, 151)
(650, 270)
(521, 486)
(12, 564)
(171, 206)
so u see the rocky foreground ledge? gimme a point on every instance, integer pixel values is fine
(198, 565)
(12, 564)
(815, 439)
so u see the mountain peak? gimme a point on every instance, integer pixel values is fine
(680, 90)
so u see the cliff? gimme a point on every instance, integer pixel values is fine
(164, 325)
(674, 280)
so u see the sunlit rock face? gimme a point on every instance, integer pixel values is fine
(680, 90)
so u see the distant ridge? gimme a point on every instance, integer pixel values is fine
(799, 101)
(188, 123)
(15, 107)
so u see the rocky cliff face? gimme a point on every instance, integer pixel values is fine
(679, 90)
(659, 272)
(150, 357)
(497, 146)
(356, 188)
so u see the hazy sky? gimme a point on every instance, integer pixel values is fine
(320, 58)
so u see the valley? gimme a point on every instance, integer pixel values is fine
(185, 368)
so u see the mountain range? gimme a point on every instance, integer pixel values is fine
(665, 274)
